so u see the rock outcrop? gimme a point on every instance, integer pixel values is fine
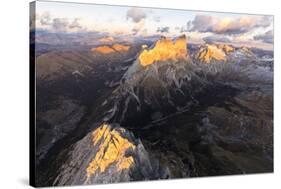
(107, 39)
(159, 82)
(105, 49)
(119, 47)
(109, 154)
(165, 49)
(191, 119)
(210, 53)
(226, 48)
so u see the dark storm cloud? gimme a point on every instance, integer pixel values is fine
(266, 37)
(216, 38)
(136, 14)
(226, 25)
(163, 29)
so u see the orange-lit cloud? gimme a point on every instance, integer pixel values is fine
(228, 25)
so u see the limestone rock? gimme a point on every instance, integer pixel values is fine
(165, 49)
(107, 155)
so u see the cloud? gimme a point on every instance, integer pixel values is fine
(45, 18)
(75, 24)
(138, 17)
(46, 21)
(138, 27)
(156, 18)
(163, 29)
(186, 27)
(216, 38)
(183, 29)
(267, 37)
(136, 14)
(60, 24)
(228, 25)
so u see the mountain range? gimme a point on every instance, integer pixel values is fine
(146, 110)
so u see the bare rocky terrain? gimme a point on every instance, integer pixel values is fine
(195, 113)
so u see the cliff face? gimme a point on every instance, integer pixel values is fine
(112, 150)
(165, 49)
(109, 154)
(226, 48)
(209, 53)
(160, 95)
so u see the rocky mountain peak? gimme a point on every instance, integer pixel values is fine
(246, 50)
(112, 149)
(165, 49)
(120, 47)
(226, 48)
(109, 154)
(209, 53)
(105, 49)
(107, 39)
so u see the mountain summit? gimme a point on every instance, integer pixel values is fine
(165, 49)
(111, 49)
(107, 155)
(209, 53)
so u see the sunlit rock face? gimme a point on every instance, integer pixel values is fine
(119, 48)
(111, 49)
(103, 49)
(226, 48)
(107, 155)
(165, 49)
(112, 149)
(246, 50)
(106, 39)
(210, 53)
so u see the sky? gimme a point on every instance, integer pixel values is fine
(198, 26)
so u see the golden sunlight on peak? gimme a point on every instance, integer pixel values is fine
(165, 49)
(105, 49)
(106, 39)
(111, 150)
(211, 52)
(119, 47)
(246, 49)
(226, 48)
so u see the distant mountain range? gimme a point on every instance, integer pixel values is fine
(152, 109)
